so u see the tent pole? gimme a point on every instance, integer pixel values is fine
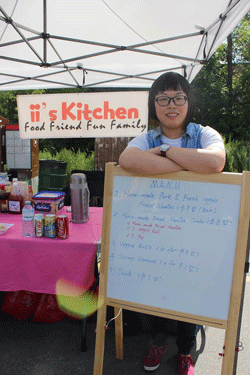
(238, 343)
(45, 31)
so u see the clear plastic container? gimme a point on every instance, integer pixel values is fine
(28, 220)
(15, 187)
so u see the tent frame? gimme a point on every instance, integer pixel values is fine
(61, 65)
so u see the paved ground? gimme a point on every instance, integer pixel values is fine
(28, 348)
(209, 345)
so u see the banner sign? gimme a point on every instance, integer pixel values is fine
(83, 115)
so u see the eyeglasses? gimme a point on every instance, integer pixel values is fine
(178, 100)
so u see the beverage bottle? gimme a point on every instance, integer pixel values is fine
(4, 199)
(24, 191)
(15, 200)
(15, 179)
(30, 196)
(28, 220)
(8, 187)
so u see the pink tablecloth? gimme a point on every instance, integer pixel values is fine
(36, 264)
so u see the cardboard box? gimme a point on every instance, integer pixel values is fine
(49, 202)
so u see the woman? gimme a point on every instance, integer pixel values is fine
(176, 144)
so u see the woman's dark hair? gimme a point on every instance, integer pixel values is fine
(171, 81)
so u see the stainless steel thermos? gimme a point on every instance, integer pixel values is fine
(79, 193)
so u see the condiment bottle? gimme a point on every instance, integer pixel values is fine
(30, 193)
(8, 187)
(4, 199)
(23, 191)
(15, 200)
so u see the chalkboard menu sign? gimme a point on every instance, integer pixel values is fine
(174, 245)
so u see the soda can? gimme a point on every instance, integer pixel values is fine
(39, 225)
(62, 227)
(50, 226)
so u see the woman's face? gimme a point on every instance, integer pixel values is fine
(172, 116)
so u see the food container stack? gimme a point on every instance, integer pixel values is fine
(49, 202)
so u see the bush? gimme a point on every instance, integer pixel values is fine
(237, 156)
(75, 160)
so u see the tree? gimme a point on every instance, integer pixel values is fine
(8, 103)
(241, 81)
(222, 86)
(209, 86)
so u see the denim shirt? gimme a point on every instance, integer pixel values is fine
(191, 139)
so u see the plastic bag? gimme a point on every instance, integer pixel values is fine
(47, 310)
(20, 304)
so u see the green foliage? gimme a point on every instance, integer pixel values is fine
(8, 103)
(210, 96)
(241, 36)
(237, 156)
(86, 145)
(219, 105)
(75, 160)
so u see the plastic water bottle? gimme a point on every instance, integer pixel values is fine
(28, 220)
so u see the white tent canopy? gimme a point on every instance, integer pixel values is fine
(109, 43)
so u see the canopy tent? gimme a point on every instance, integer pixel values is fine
(109, 43)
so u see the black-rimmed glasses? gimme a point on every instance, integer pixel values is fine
(178, 100)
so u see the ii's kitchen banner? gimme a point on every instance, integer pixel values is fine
(83, 115)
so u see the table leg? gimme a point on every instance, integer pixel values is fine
(83, 336)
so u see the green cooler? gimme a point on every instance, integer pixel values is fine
(52, 175)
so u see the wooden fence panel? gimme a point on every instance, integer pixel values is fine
(108, 150)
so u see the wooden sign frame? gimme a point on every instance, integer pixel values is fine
(231, 324)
